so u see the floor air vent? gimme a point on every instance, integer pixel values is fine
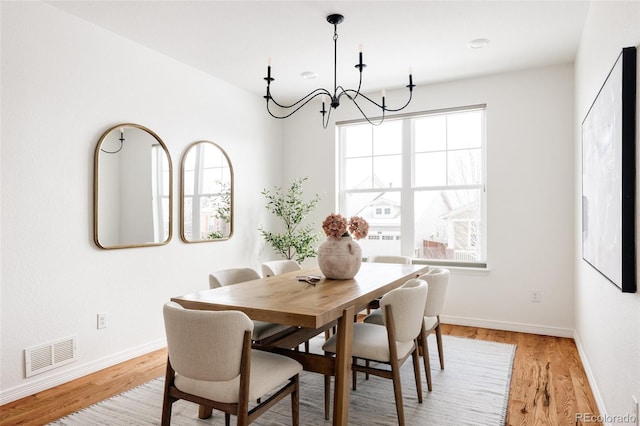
(39, 359)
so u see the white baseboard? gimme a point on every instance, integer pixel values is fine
(35, 385)
(590, 377)
(508, 326)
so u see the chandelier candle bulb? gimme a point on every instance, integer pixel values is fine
(360, 65)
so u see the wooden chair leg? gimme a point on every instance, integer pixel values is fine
(425, 358)
(168, 401)
(397, 391)
(295, 402)
(227, 419)
(166, 413)
(416, 372)
(204, 412)
(440, 348)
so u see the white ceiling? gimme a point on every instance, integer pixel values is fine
(233, 39)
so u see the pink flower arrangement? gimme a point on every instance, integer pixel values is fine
(336, 226)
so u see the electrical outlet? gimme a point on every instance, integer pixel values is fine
(636, 410)
(102, 320)
(536, 296)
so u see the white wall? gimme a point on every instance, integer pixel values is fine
(64, 82)
(607, 321)
(530, 165)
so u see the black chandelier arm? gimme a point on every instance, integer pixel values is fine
(304, 99)
(359, 85)
(403, 106)
(364, 96)
(325, 120)
(382, 107)
(362, 112)
(320, 92)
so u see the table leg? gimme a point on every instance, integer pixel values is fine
(343, 367)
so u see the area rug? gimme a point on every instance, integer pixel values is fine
(473, 389)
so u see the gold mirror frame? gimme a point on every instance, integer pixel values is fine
(215, 195)
(161, 213)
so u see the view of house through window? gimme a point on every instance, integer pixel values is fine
(419, 182)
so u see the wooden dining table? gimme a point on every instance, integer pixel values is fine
(309, 309)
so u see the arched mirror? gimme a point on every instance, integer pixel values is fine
(206, 207)
(132, 192)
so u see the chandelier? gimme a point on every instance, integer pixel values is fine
(333, 97)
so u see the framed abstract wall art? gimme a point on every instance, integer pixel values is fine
(609, 177)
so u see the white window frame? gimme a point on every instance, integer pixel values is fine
(407, 191)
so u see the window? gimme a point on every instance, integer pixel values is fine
(419, 177)
(160, 192)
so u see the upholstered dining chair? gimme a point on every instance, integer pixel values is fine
(389, 345)
(277, 267)
(232, 276)
(438, 281)
(211, 363)
(401, 260)
(405, 260)
(262, 331)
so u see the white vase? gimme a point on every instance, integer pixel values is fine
(339, 258)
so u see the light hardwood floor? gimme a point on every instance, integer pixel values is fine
(548, 385)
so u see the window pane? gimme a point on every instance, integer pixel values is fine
(388, 171)
(447, 225)
(464, 130)
(464, 167)
(357, 140)
(430, 169)
(213, 157)
(382, 211)
(387, 138)
(188, 209)
(166, 177)
(358, 173)
(430, 133)
(188, 182)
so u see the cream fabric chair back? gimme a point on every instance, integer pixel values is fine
(404, 260)
(218, 335)
(277, 267)
(232, 276)
(438, 281)
(407, 307)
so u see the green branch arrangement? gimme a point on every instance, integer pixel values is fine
(297, 241)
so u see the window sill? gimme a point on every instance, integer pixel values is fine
(457, 268)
